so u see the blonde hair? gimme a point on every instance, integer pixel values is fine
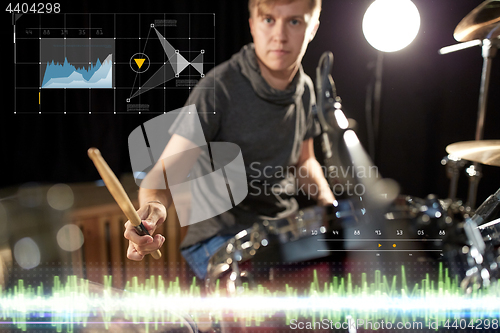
(314, 5)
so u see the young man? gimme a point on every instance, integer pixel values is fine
(262, 103)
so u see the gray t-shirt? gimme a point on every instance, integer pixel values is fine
(268, 125)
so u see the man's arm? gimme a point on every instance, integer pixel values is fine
(177, 159)
(310, 174)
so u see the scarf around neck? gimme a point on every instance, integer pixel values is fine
(247, 61)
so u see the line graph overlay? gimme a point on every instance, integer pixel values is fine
(72, 44)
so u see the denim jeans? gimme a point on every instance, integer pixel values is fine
(197, 255)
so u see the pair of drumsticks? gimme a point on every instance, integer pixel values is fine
(116, 189)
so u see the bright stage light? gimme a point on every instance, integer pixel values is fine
(391, 25)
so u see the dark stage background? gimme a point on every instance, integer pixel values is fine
(428, 100)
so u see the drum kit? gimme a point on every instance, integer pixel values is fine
(379, 226)
(449, 230)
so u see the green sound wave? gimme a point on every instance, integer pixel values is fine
(156, 303)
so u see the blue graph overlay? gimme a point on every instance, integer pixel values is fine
(68, 76)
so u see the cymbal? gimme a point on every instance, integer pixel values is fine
(481, 151)
(483, 22)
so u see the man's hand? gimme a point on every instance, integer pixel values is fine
(314, 177)
(325, 197)
(152, 215)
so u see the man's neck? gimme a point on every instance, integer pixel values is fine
(277, 79)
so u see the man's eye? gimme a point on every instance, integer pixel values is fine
(268, 20)
(294, 22)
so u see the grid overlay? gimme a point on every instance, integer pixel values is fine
(131, 34)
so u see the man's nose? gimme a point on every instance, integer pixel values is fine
(279, 31)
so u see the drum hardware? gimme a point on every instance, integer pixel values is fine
(487, 208)
(270, 233)
(481, 23)
(483, 255)
(238, 249)
(454, 166)
(482, 259)
(265, 240)
(474, 173)
(455, 209)
(479, 151)
(432, 217)
(489, 224)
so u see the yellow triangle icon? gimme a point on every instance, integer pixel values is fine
(379, 245)
(139, 61)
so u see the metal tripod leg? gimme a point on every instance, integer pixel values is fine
(489, 51)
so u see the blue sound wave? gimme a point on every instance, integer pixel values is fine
(68, 76)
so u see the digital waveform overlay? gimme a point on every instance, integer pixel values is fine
(66, 75)
(156, 303)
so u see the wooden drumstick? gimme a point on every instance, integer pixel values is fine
(116, 189)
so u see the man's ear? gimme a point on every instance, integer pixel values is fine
(313, 31)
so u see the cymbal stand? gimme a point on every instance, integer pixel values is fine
(489, 50)
(453, 167)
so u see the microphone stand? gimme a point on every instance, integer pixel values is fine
(332, 120)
